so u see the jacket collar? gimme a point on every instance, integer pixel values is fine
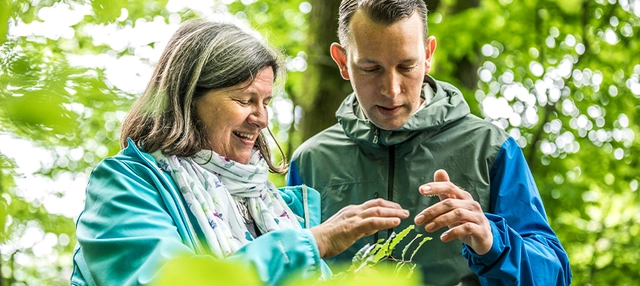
(447, 105)
(135, 153)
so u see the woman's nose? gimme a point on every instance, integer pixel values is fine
(259, 117)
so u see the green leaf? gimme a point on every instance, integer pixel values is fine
(5, 13)
(28, 16)
(390, 244)
(361, 254)
(419, 245)
(4, 212)
(571, 7)
(107, 11)
(404, 250)
(40, 109)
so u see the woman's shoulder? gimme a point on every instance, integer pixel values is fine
(131, 156)
(304, 201)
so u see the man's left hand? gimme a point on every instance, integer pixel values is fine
(458, 211)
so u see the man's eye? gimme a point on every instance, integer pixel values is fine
(407, 69)
(243, 102)
(369, 69)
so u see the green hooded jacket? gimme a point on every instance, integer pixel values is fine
(354, 161)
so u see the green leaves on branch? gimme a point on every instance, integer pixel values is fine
(372, 254)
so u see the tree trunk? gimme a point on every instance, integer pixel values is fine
(324, 89)
(466, 69)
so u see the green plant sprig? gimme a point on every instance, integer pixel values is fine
(371, 254)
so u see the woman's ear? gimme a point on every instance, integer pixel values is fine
(339, 55)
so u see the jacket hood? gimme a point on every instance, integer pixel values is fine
(447, 105)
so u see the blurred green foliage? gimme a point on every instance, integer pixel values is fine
(207, 271)
(567, 72)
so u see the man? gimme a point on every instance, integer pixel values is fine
(399, 129)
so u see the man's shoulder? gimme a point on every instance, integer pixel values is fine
(474, 124)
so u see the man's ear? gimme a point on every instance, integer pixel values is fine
(340, 57)
(430, 47)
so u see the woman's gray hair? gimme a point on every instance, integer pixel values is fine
(201, 56)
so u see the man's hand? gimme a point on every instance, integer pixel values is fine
(355, 221)
(458, 211)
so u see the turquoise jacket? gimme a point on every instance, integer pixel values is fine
(135, 220)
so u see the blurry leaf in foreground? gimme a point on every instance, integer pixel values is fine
(382, 274)
(206, 271)
(39, 109)
(44, 98)
(5, 12)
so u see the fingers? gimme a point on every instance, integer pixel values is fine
(372, 225)
(460, 231)
(452, 218)
(450, 212)
(466, 222)
(381, 203)
(384, 212)
(444, 190)
(476, 236)
(443, 187)
(441, 176)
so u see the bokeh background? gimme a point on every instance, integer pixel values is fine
(561, 76)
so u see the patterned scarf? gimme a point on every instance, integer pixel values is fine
(211, 185)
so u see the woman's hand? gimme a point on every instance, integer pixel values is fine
(355, 221)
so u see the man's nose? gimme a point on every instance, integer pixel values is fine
(391, 84)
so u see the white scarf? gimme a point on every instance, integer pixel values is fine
(209, 182)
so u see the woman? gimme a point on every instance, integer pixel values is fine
(192, 176)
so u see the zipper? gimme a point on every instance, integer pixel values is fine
(376, 132)
(392, 165)
(390, 179)
(305, 204)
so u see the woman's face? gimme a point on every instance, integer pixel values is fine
(234, 116)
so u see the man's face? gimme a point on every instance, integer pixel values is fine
(386, 65)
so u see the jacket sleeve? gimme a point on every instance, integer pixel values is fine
(126, 234)
(525, 249)
(283, 254)
(293, 176)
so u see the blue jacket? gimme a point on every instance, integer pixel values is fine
(354, 161)
(135, 220)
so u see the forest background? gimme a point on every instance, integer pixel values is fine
(561, 76)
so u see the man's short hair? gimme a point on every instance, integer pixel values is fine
(385, 12)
